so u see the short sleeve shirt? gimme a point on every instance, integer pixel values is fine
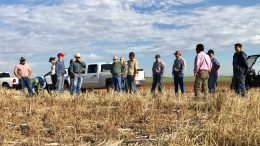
(132, 66)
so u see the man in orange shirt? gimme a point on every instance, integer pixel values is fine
(23, 72)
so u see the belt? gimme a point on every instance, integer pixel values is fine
(203, 70)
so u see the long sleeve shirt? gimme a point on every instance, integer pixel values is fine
(60, 68)
(158, 68)
(240, 63)
(77, 67)
(178, 67)
(215, 66)
(202, 62)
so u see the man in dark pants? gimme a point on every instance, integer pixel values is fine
(240, 68)
(158, 70)
(132, 66)
(213, 75)
(178, 72)
(23, 72)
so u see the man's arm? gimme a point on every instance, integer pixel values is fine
(135, 70)
(30, 71)
(83, 64)
(217, 65)
(15, 72)
(162, 68)
(71, 68)
(196, 65)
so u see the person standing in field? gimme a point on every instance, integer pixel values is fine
(158, 70)
(60, 71)
(132, 66)
(213, 75)
(202, 67)
(178, 72)
(71, 75)
(240, 68)
(24, 72)
(77, 68)
(52, 73)
(116, 71)
(124, 74)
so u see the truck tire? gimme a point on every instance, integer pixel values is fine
(6, 86)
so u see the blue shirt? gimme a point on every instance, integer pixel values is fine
(60, 68)
(215, 66)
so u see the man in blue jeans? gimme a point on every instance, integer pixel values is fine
(116, 71)
(158, 70)
(240, 68)
(76, 69)
(60, 71)
(213, 75)
(178, 72)
(23, 72)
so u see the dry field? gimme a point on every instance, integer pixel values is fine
(118, 119)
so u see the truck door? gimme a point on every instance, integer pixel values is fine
(91, 77)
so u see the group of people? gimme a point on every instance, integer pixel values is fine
(124, 73)
(77, 67)
(206, 68)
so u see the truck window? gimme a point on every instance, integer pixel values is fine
(4, 75)
(106, 67)
(92, 68)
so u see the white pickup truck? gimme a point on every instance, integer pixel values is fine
(6, 81)
(98, 76)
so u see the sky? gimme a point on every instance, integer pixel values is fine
(100, 29)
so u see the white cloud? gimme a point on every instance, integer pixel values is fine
(92, 56)
(48, 29)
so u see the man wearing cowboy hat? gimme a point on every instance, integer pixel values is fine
(76, 69)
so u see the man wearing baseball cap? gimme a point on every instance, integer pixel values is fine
(158, 70)
(116, 71)
(60, 71)
(76, 69)
(178, 72)
(23, 72)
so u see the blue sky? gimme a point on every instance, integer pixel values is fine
(100, 29)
